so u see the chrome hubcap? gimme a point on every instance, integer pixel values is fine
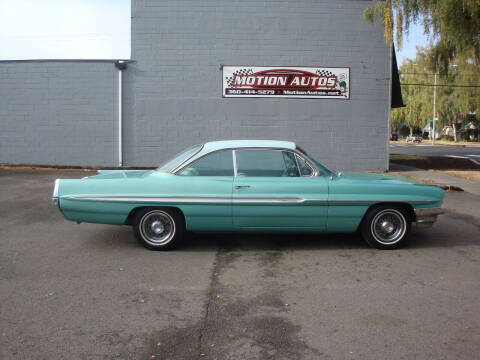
(388, 226)
(157, 227)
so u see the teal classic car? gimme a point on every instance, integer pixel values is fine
(249, 185)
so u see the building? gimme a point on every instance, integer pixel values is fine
(55, 112)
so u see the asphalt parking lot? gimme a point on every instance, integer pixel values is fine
(89, 291)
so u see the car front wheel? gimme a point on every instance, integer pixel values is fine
(159, 229)
(386, 227)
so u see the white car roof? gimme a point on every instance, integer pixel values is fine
(236, 144)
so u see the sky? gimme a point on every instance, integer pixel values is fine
(64, 29)
(415, 38)
(90, 29)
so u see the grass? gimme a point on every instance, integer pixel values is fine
(473, 175)
(437, 142)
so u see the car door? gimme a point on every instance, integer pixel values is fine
(207, 183)
(272, 192)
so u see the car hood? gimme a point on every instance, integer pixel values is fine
(377, 178)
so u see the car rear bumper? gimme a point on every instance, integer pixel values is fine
(426, 217)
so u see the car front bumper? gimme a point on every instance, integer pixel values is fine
(426, 217)
(55, 194)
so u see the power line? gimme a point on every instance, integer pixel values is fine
(443, 85)
(432, 74)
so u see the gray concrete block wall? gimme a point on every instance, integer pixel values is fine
(58, 113)
(179, 46)
(65, 113)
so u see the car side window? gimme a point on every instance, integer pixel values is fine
(266, 163)
(305, 169)
(219, 163)
(290, 164)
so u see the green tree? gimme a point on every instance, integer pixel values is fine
(455, 100)
(454, 25)
(448, 109)
(419, 102)
(467, 73)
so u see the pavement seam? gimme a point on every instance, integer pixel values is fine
(209, 301)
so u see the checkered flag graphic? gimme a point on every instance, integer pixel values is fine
(238, 72)
(324, 73)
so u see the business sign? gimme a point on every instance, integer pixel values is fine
(287, 82)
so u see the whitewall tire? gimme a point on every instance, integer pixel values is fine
(159, 228)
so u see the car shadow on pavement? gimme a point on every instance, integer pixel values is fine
(122, 237)
(272, 241)
(419, 239)
(452, 231)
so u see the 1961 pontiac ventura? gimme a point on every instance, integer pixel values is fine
(249, 185)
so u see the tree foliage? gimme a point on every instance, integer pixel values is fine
(454, 25)
(454, 104)
(419, 102)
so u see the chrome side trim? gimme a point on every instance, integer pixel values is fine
(426, 217)
(148, 199)
(416, 201)
(227, 200)
(193, 200)
(268, 200)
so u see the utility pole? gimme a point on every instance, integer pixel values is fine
(434, 106)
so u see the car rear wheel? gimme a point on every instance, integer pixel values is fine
(159, 229)
(386, 227)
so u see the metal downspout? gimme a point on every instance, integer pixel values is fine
(120, 65)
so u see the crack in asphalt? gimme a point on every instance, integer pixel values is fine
(210, 292)
(247, 318)
(244, 317)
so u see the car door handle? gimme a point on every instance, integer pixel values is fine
(241, 186)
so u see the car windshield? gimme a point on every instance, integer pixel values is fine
(323, 169)
(179, 158)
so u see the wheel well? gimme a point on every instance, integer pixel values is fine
(133, 212)
(407, 207)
